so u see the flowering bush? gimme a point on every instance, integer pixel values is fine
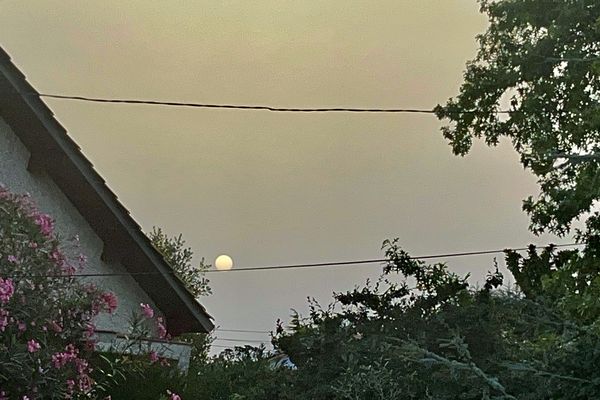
(46, 314)
(143, 325)
(138, 363)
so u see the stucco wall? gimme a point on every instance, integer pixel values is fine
(14, 175)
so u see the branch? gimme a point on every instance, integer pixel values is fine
(430, 357)
(527, 368)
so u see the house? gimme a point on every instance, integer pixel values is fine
(37, 156)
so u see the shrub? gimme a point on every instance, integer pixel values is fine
(46, 314)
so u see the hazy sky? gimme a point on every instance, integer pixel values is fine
(271, 188)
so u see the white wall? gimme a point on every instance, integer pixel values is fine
(49, 199)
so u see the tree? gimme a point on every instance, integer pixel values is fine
(179, 257)
(437, 339)
(541, 60)
(441, 340)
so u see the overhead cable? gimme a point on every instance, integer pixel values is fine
(247, 106)
(299, 266)
(240, 330)
(241, 340)
(382, 260)
(229, 347)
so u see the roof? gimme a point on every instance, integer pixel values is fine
(61, 158)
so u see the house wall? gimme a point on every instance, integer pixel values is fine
(14, 158)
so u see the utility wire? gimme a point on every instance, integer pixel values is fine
(382, 260)
(227, 347)
(240, 330)
(246, 106)
(299, 266)
(241, 340)
(235, 106)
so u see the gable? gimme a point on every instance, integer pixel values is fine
(52, 152)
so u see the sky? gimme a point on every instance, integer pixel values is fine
(278, 188)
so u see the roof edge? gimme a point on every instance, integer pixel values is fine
(29, 96)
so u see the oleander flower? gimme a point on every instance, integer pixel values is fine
(7, 289)
(110, 301)
(161, 328)
(45, 223)
(147, 311)
(33, 346)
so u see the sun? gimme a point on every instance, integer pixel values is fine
(223, 263)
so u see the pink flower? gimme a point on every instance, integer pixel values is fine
(7, 289)
(110, 301)
(70, 386)
(68, 269)
(22, 326)
(81, 365)
(174, 396)
(85, 383)
(12, 259)
(90, 330)
(3, 320)
(153, 357)
(45, 223)
(71, 349)
(57, 257)
(147, 310)
(162, 329)
(59, 360)
(33, 346)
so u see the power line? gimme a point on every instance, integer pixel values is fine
(241, 340)
(240, 330)
(236, 106)
(382, 260)
(247, 106)
(299, 266)
(227, 347)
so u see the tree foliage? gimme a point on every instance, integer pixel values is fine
(436, 338)
(540, 59)
(443, 340)
(430, 335)
(179, 257)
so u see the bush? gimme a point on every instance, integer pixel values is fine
(46, 314)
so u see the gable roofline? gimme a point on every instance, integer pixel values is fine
(52, 150)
